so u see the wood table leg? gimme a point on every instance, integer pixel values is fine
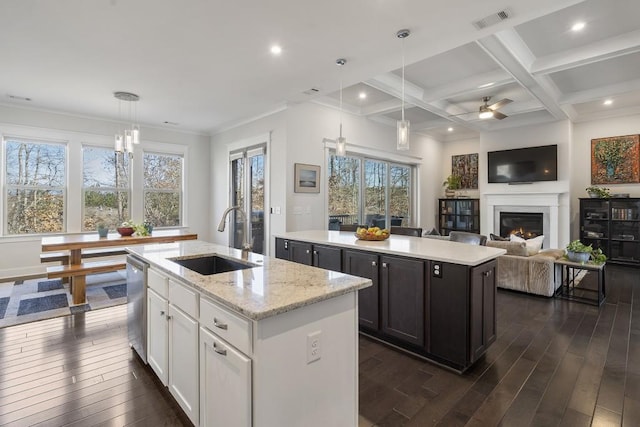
(78, 284)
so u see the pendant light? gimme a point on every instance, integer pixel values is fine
(341, 142)
(403, 125)
(125, 140)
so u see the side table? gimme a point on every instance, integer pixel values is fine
(571, 290)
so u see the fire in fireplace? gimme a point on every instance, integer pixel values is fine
(522, 224)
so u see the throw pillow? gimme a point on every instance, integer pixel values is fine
(533, 245)
(498, 238)
(512, 248)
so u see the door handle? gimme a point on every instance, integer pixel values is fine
(219, 325)
(218, 350)
(373, 263)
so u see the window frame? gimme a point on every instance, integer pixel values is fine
(181, 194)
(362, 156)
(6, 187)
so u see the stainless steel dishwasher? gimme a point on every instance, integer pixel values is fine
(136, 305)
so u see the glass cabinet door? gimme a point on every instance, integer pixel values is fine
(625, 231)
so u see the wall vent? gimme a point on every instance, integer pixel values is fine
(311, 91)
(492, 19)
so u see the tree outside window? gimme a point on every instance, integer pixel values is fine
(35, 186)
(163, 189)
(106, 188)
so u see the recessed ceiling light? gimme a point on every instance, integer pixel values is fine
(276, 50)
(450, 129)
(362, 95)
(486, 85)
(608, 102)
(578, 26)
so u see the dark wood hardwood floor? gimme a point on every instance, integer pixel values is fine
(555, 362)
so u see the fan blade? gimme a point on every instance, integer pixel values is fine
(500, 104)
(498, 115)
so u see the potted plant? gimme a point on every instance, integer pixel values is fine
(452, 183)
(103, 230)
(578, 251)
(598, 192)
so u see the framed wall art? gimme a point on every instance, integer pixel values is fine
(307, 178)
(615, 160)
(466, 166)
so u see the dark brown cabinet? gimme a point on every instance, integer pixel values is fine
(327, 257)
(365, 264)
(439, 310)
(612, 225)
(459, 215)
(402, 298)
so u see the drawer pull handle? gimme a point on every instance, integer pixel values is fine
(219, 351)
(373, 263)
(219, 324)
(384, 265)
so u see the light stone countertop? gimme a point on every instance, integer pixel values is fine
(415, 247)
(274, 286)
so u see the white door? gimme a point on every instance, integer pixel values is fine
(225, 383)
(157, 335)
(183, 361)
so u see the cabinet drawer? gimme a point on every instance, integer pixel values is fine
(158, 282)
(227, 325)
(183, 298)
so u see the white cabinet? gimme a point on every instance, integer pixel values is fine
(183, 361)
(225, 383)
(158, 335)
(172, 340)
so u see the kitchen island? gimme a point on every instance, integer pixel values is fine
(433, 298)
(269, 342)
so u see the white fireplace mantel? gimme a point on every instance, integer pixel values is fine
(546, 203)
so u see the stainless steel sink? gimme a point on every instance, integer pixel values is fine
(212, 264)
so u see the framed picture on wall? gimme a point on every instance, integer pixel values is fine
(466, 167)
(307, 178)
(615, 160)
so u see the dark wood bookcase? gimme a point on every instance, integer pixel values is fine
(458, 215)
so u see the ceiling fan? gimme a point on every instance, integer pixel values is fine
(487, 111)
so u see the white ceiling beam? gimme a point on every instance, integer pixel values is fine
(391, 84)
(598, 93)
(468, 85)
(383, 107)
(624, 44)
(510, 52)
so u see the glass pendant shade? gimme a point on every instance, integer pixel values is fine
(135, 134)
(403, 135)
(341, 146)
(119, 144)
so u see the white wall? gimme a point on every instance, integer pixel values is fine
(20, 255)
(583, 133)
(559, 133)
(456, 148)
(297, 137)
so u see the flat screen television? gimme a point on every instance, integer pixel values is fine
(523, 165)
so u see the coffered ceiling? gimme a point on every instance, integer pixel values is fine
(205, 66)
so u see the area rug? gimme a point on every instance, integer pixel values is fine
(39, 299)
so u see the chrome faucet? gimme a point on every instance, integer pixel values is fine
(246, 246)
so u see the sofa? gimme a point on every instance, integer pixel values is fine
(521, 270)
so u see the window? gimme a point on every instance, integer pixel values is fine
(105, 182)
(369, 191)
(163, 189)
(35, 177)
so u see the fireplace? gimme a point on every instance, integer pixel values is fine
(523, 224)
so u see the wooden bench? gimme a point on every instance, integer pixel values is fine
(80, 271)
(63, 257)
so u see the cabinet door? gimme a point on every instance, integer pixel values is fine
(158, 335)
(449, 312)
(483, 309)
(402, 298)
(225, 383)
(183, 362)
(327, 257)
(300, 252)
(365, 264)
(282, 248)
(594, 223)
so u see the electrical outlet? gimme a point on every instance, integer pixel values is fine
(314, 346)
(436, 270)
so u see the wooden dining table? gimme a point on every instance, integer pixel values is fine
(77, 271)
